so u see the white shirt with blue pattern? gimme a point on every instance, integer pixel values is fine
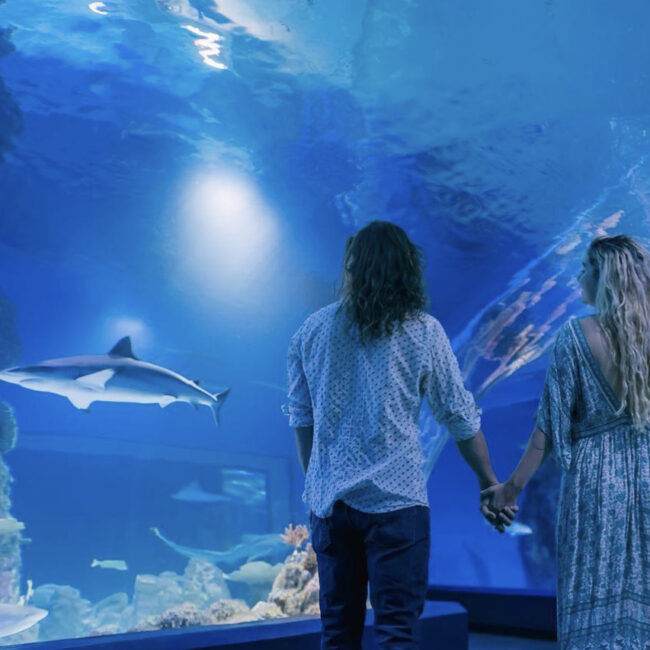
(364, 404)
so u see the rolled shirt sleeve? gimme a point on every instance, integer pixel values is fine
(451, 403)
(299, 405)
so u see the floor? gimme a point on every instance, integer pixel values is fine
(492, 642)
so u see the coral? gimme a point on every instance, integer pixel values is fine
(313, 610)
(183, 615)
(225, 608)
(310, 596)
(267, 610)
(203, 583)
(292, 576)
(105, 631)
(295, 589)
(69, 613)
(310, 563)
(10, 342)
(10, 552)
(295, 536)
(188, 614)
(153, 595)
(107, 613)
(8, 428)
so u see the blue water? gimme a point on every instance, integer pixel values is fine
(197, 196)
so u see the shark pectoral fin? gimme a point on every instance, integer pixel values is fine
(81, 402)
(96, 380)
(166, 400)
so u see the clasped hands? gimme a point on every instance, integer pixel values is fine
(498, 504)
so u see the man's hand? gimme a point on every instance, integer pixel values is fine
(498, 504)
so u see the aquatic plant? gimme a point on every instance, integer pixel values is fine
(295, 536)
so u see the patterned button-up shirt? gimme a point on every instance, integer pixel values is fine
(364, 404)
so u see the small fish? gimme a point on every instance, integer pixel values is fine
(118, 565)
(255, 573)
(18, 618)
(516, 529)
(10, 525)
(196, 494)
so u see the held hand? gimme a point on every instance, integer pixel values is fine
(498, 504)
(500, 519)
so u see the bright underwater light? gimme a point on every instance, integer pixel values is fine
(208, 45)
(115, 327)
(228, 233)
(98, 8)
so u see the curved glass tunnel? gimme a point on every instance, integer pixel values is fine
(185, 173)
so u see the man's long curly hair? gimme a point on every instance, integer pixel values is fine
(383, 282)
(623, 302)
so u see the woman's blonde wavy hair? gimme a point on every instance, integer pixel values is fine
(622, 267)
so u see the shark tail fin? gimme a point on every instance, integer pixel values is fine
(219, 399)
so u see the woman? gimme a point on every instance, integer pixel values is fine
(594, 415)
(358, 371)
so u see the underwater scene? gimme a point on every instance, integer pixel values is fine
(178, 179)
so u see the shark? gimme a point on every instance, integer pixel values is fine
(195, 493)
(118, 376)
(18, 618)
(268, 547)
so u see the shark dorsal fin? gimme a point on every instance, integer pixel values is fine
(122, 349)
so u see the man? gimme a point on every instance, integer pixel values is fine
(358, 371)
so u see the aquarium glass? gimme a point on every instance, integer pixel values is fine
(178, 179)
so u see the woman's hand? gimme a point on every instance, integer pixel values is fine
(498, 504)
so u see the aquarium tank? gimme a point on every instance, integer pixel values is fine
(178, 179)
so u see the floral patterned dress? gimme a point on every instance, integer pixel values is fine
(603, 530)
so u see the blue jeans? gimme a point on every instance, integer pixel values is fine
(389, 550)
